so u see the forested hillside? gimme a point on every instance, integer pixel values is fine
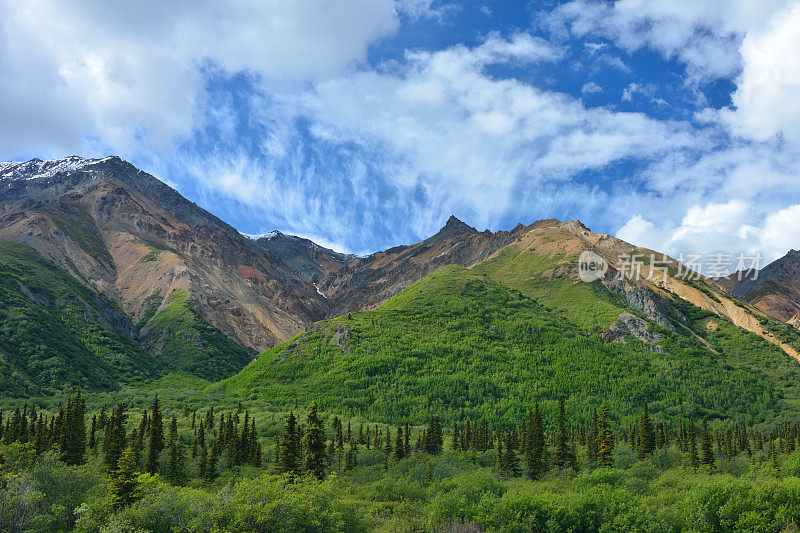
(460, 343)
(56, 333)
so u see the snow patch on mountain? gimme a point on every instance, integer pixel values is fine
(267, 236)
(38, 168)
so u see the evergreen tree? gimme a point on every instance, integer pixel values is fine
(124, 480)
(288, 457)
(74, 442)
(773, 454)
(399, 444)
(387, 448)
(647, 438)
(176, 463)
(351, 460)
(433, 436)
(564, 455)
(314, 445)
(707, 445)
(508, 459)
(156, 443)
(114, 442)
(211, 464)
(605, 438)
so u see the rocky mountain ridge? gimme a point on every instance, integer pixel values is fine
(132, 238)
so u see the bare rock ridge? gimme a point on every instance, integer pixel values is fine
(775, 289)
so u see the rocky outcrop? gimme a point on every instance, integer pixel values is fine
(630, 324)
(775, 289)
(652, 305)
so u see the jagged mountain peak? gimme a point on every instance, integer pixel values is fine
(41, 168)
(452, 228)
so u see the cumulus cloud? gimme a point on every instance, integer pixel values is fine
(591, 88)
(730, 228)
(704, 36)
(765, 99)
(124, 71)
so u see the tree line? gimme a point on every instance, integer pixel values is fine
(224, 440)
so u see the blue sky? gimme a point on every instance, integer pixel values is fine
(363, 124)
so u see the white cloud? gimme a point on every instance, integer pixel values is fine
(733, 228)
(591, 88)
(469, 142)
(419, 9)
(703, 35)
(766, 98)
(124, 71)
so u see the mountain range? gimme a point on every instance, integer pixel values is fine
(97, 245)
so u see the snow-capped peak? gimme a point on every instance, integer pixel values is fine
(267, 236)
(38, 168)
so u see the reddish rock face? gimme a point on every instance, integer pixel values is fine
(133, 238)
(775, 289)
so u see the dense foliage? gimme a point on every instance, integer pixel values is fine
(463, 344)
(56, 332)
(212, 475)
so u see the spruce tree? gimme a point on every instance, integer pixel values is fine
(176, 462)
(211, 464)
(115, 438)
(773, 454)
(387, 448)
(433, 436)
(351, 460)
(399, 444)
(314, 445)
(534, 445)
(605, 437)
(508, 459)
(707, 445)
(288, 456)
(647, 438)
(124, 480)
(74, 442)
(564, 456)
(156, 443)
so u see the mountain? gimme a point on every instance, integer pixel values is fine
(187, 280)
(54, 331)
(775, 289)
(308, 260)
(201, 296)
(519, 324)
(366, 282)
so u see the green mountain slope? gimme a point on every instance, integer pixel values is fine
(187, 342)
(463, 341)
(56, 333)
